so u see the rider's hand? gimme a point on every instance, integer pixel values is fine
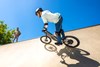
(44, 29)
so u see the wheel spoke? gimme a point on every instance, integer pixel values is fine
(71, 41)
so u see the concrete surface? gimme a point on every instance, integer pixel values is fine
(31, 53)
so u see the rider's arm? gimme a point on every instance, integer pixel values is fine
(45, 25)
(45, 22)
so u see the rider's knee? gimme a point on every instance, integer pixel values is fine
(61, 30)
(57, 33)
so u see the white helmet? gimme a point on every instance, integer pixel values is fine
(38, 9)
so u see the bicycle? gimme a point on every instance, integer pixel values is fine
(68, 40)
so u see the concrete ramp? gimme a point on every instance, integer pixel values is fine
(31, 53)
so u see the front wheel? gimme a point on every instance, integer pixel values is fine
(71, 41)
(45, 39)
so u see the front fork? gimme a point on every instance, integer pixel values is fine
(46, 36)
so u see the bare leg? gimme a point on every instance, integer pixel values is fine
(14, 40)
(17, 39)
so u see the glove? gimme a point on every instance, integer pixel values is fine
(44, 29)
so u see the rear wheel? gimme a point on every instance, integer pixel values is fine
(71, 41)
(45, 39)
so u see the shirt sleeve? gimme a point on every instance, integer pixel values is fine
(44, 20)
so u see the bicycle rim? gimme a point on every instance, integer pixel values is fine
(45, 39)
(71, 41)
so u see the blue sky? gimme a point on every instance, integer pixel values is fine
(21, 13)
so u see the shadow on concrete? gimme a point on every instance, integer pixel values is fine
(50, 47)
(79, 55)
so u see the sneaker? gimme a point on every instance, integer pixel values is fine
(58, 43)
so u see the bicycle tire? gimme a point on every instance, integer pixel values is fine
(44, 41)
(71, 45)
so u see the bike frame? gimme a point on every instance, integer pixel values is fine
(50, 35)
(68, 40)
